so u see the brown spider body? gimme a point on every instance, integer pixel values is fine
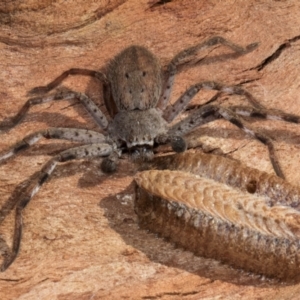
(135, 78)
(135, 86)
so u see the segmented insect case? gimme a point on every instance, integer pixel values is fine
(218, 208)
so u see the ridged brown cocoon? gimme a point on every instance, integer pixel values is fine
(233, 173)
(247, 230)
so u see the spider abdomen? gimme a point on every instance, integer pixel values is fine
(136, 79)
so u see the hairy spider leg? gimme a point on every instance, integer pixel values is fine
(86, 151)
(70, 134)
(268, 114)
(172, 111)
(177, 60)
(209, 113)
(57, 81)
(63, 94)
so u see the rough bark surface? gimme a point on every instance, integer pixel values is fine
(81, 239)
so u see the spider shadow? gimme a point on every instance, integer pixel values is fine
(163, 252)
(59, 118)
(55, 119)
(88, 178)
(277, 135)
(196, 62)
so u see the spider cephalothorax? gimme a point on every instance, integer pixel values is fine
(136, 95)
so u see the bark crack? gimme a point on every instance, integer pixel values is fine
(276, 54)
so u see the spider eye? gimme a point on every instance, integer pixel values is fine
(144, 73)
(126, 75)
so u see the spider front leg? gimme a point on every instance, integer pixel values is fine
(270, 114)
(172, 111)
(177, 60)
(86, 151)
(208, 113)
(69, 134)
(57, 81)
(63, 94)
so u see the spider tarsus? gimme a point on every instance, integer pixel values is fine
(7, 262)
(39, 90)
(20, 147)
(43, 178)
(252, 46)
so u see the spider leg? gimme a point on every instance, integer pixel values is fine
(74, 71)
(208, 113)
(64, 94)
(172, 111)
(86, 151)
(69, 134)
(270, 114)
(177, 60)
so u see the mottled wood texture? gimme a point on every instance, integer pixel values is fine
(81, 240)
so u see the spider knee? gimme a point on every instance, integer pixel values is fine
(109, 164)
(178, 144)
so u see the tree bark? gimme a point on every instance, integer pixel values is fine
(81, 239)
